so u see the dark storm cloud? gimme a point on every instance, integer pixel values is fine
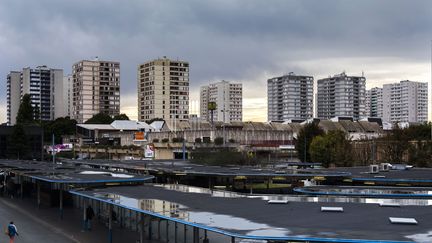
(236, 40)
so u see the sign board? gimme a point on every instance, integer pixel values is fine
(60, 147)
(139, 136)
(149, 151)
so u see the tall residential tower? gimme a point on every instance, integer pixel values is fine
(228, 99)
(341, 95)
(290, 97)
(96, 89)
(374, 102)
(45, 86)
(163, 90)
(406, 101)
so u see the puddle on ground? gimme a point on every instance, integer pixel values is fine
(175, 210)
(117, 175)
(369, 191)
(421, 238)
(296, 198)
(192, 189)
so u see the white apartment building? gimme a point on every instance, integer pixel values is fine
(96, 89)
(374, 102)
(290, 97)
(406, 101)
(228, 98)
(341, 95)
(163, 90)
(45, 86)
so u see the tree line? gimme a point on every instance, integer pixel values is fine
(411, 145)
(29, 116)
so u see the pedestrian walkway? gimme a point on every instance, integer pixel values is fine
(44, 225)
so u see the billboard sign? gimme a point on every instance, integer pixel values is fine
(149, 151)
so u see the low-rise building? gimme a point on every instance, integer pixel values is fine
(118, 133)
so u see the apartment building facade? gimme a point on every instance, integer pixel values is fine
(68, 94)
(163, 90)
(374, 102)
(45, 87)
(341, 95)
(96, 89)
(406, 101)
(290, 97)
(228, 98)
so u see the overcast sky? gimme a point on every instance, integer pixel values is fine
(245, 41)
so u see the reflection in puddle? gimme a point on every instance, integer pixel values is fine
(236, 223)
(421, 238)
(88, 172)
(175, 210)
(296, 198)
(192, 189)
(367, 191)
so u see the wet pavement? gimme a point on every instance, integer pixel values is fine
(45, 225)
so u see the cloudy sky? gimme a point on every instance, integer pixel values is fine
(245, 41)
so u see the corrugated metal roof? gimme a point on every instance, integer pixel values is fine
(97, 126)
(130, 125)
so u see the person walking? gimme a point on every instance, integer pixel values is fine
(12, 232)
(89, 216)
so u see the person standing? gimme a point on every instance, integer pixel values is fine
(12, 232)
(89, 216)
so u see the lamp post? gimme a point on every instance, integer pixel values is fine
(211, 106)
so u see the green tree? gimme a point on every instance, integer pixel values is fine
(37, 115)
(304, 139)
(318, 150)
(59, 127)
(121, 117)
(18, 142)
(25, 112)
(395, 145)
(420, 153)
(333, 148)
(100, 118)
(418, 132)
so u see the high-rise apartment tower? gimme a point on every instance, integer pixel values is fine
(96, 89)
(406, 101)
(341, 95)
(163, 90)
(290, 97)
(45, 86)
(228, 99)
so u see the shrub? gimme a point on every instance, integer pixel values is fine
(231, 140)
(165, 140)
(197, 140)
(155, 140)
